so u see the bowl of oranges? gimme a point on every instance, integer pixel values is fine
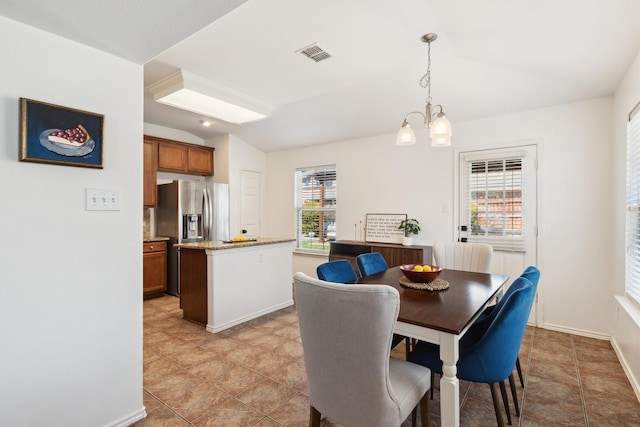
(421, 273)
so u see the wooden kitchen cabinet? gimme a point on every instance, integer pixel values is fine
(193, 285)
(150, 172)
(200, 160)
(154, 269)
(180, 157)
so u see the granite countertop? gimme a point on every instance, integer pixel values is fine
(217, 245)
(155, 239)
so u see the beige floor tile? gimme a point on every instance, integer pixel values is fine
(212, 369)
(293, 413)
(608, 409)
(162, 417)
(267, 422)
(230, 413)
(237, 379)
(253, 374)
(266, 396)
(197, 401)
(270, 364)
(293, 376)
(291, 349)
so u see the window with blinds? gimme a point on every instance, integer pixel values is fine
(632, 262)
(495, 203)
(315, 207)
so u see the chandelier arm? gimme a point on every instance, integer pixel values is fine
(433, 110)
(424, 117)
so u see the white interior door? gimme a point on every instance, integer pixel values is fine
(497, 204)
(250, 202)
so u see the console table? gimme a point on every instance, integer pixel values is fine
(393, 253)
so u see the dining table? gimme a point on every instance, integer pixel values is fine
(442, 317)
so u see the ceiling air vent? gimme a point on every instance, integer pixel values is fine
(315, 52)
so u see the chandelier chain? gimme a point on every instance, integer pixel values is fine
(425, 81)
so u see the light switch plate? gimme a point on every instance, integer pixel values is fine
(102, 199)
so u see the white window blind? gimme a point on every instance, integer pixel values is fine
(632, 262)
(316, 202)
(495, 202)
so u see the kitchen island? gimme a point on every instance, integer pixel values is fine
(225, 284)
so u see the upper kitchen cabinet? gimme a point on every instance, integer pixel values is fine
(150, 190)
(184, 158)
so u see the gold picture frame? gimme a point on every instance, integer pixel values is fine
(60, 135)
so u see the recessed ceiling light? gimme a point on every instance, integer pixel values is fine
(205, 123)
(192, 93)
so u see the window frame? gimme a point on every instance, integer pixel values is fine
(509, 241)
(632, 207)
(315, 241)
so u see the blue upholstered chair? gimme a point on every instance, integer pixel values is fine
(339, 271)
(533, 274)
(371, 263)
(352, 379)
(488, 352)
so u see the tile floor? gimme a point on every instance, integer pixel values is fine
(253, 375)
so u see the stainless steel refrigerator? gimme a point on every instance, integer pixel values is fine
(190, 211)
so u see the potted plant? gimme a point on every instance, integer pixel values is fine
(410, 226)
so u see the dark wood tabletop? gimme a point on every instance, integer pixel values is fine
(449, 310)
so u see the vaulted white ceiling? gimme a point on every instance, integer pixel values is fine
(491, 57)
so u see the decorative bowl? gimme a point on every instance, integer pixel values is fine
(420, 276)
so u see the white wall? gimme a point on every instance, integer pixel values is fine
(376, 176)
(575, 206)
(244, 157)
(221, 158)
(627, 314)
(71, 280)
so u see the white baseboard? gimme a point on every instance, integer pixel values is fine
(625, 366)
(130, 419)
(581, 332)
(227, 325)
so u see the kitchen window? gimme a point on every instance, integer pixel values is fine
(315, 207)
(632, 262)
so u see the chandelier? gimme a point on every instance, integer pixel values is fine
(434, 118)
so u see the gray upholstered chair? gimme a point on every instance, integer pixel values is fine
(346, 333)
(463, 256)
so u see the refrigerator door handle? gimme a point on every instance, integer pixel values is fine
(206, 214)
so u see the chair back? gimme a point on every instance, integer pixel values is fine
(533, 274)
(371, 263)
(474, 257)
(483, 323)
(491, 358)
(339, 271)
(346, 334)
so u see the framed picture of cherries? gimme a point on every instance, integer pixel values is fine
(60, 135)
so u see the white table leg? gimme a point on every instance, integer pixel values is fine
(449, 384)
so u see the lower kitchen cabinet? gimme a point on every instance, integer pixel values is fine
(154, 266)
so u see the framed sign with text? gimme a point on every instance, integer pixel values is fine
(383, 228)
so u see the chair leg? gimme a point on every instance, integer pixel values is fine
(425, 410)
(512, 385)
(407, 343)
(505, 400)
(433, 378)
(519, 371)
(496, 404)
(314, 417)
